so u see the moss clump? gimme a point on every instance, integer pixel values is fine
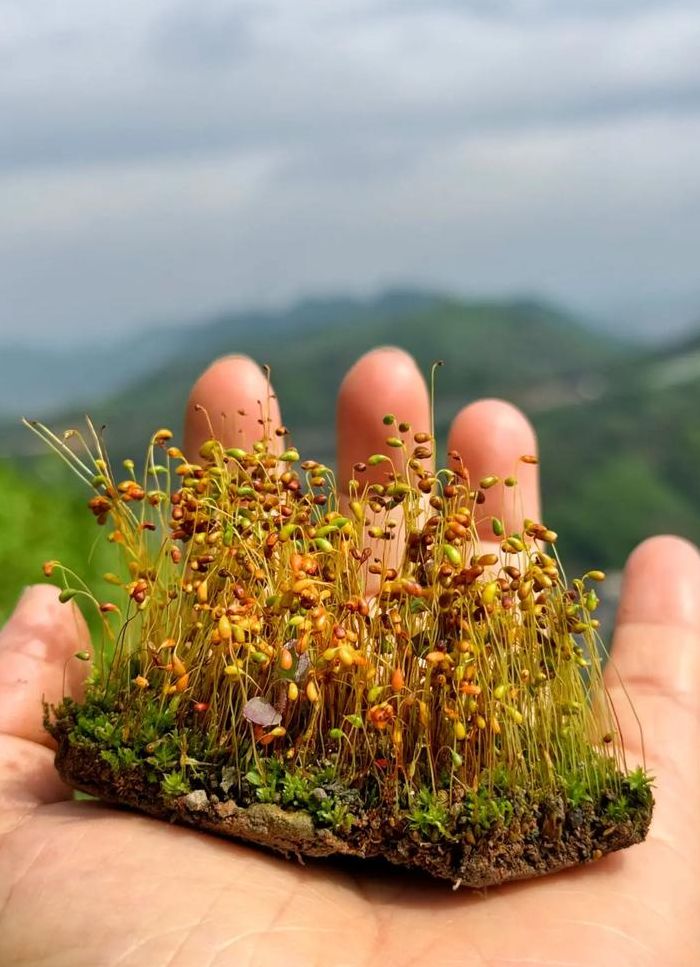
(269, 649)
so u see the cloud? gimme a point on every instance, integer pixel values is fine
(211, 77)
(158, 159)
(207, 36)
(546, 212)
(530, 9)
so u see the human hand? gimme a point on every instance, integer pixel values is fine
(84, 885)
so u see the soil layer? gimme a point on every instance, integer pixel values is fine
(550, 835)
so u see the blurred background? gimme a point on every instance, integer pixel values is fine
(512, 186)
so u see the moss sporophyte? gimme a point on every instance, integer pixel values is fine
(273, 669)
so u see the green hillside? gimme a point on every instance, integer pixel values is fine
(619, 428)
(625, 466)
(494, 348)
(43, 515)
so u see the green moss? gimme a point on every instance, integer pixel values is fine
(577, 792)
(430, 815)
(174, 784)
(158, 750)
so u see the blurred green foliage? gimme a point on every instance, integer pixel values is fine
(43, 516)
(618, 426)
(622, 468)
(608, 510)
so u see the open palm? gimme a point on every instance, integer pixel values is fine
(83, 885)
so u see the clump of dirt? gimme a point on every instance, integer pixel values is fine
(540, 837)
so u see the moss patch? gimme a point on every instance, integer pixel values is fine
(273, 670)
(486, 837)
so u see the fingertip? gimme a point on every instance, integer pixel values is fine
(491, 436)
(503, 424)
(371, 370)
(661, 583)
(232, 400)
(665, 546)
(384, 381)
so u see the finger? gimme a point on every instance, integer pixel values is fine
(653, 680)
(491, 436)
(37, 649)
(661, 586)
(382, 382)
(232, 401)
(656, 655)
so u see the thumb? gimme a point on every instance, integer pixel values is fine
(37, 646)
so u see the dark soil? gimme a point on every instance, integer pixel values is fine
(546, 837)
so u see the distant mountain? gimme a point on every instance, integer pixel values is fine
(625, 464)
(45, 379)
(50, 380)
(618, 425)
(509, 348)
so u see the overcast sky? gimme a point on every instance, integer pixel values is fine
(162, 160)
